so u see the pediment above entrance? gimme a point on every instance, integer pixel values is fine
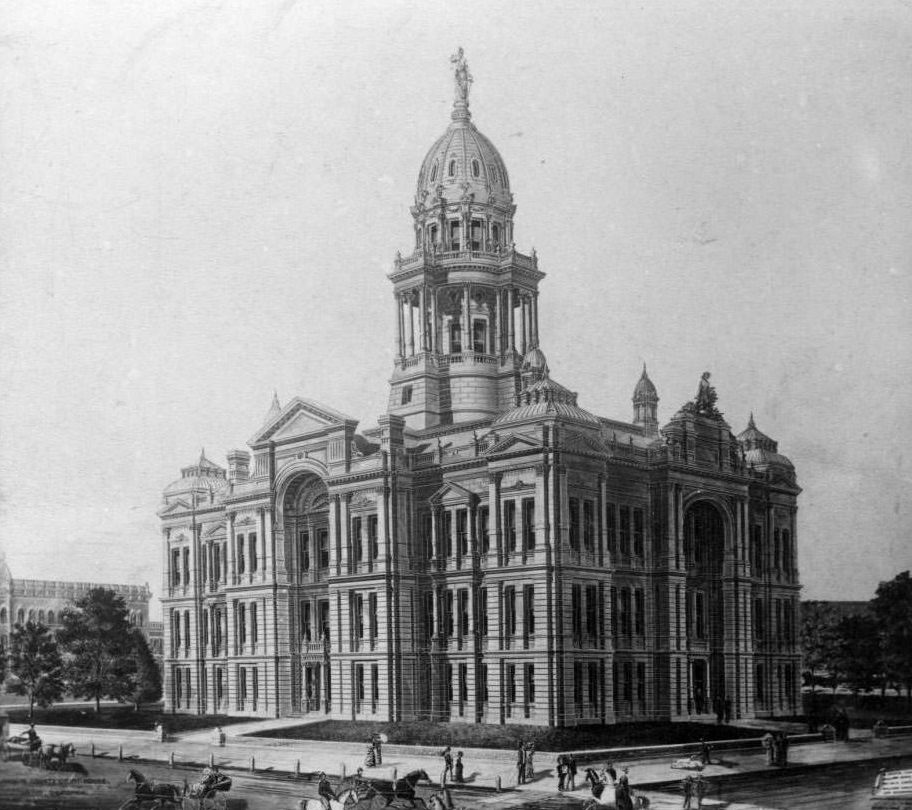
(300, 418)
(582, 443)
(215, 529)
(452, 493)
(513, 444)
(174, 508)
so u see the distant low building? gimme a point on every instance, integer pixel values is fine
(44, 600)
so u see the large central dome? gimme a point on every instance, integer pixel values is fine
(463, 161)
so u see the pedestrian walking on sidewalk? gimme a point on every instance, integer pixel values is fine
(370, 757)
(378, 754)
(530, 768)
(561, 772)
(700, 789)
(521, 765)
(458, 768)
(571, 771)
(447, 755)
(687, 787)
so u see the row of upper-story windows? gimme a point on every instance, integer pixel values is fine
(446, 612)
(624, 529)
(313, 549)
(475, 166)
(783, 616)
(358, 622)
(475, 239)
(780, 557)
(306, 619)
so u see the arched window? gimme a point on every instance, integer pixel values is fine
(434, 172)
(451, 171)
(41, 616)
(20, 616)
(3, 615)
(31, 615)
(495, 233)
(476, 169)
(51, 617)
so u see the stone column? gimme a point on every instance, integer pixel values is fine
(345, 541)
(511, 331)
(400, 351)
(435, 535)
(535, 319)
(422, 317)
(494, 518)
(466, 322)
(231, 549)
(523, 305)
(433, 329)
(498, 324)
(411, 323)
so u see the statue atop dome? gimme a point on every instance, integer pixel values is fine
(463, 77)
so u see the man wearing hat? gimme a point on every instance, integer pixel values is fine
(325, 791)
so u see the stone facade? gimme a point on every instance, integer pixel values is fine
(44, 601)
(490, 551)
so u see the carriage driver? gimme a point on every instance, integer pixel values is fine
(324, 790)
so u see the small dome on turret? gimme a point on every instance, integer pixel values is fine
(203, 478)
(760, 450)
(535, 361)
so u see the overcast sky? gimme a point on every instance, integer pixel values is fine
(199, 203)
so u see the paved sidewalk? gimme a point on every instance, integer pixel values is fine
(483, 767)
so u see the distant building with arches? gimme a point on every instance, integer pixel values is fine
(490, 551)
(44, 600)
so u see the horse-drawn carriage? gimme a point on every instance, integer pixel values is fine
(361, 793)
(207, 794)
(21, 748)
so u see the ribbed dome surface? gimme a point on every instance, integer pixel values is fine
(461, 162)
(645, 390)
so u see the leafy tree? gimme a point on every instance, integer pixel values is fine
(859, 658)
(35, 665)
(147, 686)
(819, 641)
(98, 641)
(892, 605)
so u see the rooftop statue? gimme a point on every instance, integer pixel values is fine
(463, 77)
(704, 403)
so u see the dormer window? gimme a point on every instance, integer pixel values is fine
(434, 172)
(451, 171)
(476, 169)
(493, 174)
(495, 233)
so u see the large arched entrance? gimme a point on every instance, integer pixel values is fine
(704, 549)
(305, 521)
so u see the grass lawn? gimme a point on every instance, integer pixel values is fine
(863, 710)
(468, 735)
(119, 717)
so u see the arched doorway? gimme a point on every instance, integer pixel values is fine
(305, 520)
(704, 550)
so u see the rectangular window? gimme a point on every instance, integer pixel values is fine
(484, 530)
(700, 614)
(477, 229)
(483, 675)
(359, 686)
(175, 567)
(205, 624)
(757, 550)
(638, 532)
(373, 537)
(454, 234)
(254, 632)
(639, 612)
(447, 533)
(758, 619)
(242, 692)
(528, 524)
(239, 546)
(455, 336)
(323, 539)
(373, 624)
(615, 607)
(628, 681)
(511, 683)
(625, 531)
(576, 610)
(305, 620)
(187, 630)
(625, 612)
(255, 685)
(217, 562)
(304, 544)
(593, 681)
(528, 610)
(463, 608)
(641, 686)
(588, 525)
(463, 686)
(509, 600)
(591, 614)
(355, 541)
(777, 539)
(448, 613)
(578, 688)
(252, 543)
(176, 632)
(242, 624)
(479, 336)
(509, 519)
(323, 607)
(428, 534)
(574, 523)
(612, 528)
(448, 677)
(186, 566)
(375, 687)
(462, 534)
(529, 685)
(482, 612)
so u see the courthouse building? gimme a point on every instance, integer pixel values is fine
(491, 551)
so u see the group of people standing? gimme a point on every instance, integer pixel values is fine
(525, 767)
(566, 772)
(452, 769)
(694, 788)
(776, 745)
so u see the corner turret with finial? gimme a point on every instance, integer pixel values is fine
(645, 404)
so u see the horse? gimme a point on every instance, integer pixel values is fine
(344, 801)
(440, 800)
(54, 757)
(402, 788)
(603, 794)
(158, 791)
